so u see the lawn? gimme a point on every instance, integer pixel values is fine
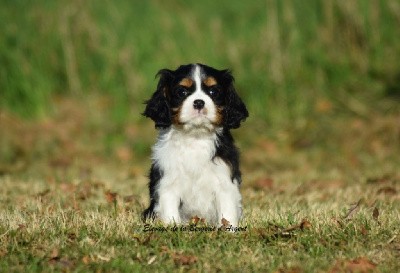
(319, 152)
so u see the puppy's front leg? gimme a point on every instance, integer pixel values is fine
(169, 206)
(230, 205)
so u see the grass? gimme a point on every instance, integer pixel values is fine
(286, 56)
(319, 152)
(329, 203)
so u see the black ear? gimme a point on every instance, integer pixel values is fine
(157, 107)
(235, 111)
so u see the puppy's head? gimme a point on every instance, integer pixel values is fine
(196, 96)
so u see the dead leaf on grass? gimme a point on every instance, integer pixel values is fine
(353, 210)
(182, 259)
(195, 220)
(224, 222)
(293, 269)
(164, 249)
(304, 224)
(129, 198)
(379, 180)
(86, 259)
(111, 197)
(124, 153)
(364, 231)
(56, 260)
(151, 260)
(265, 183)
(21, 227)
(61, 162)
(144, 240)
(375, 214)
(71, 236)
(43, 193)
(323, 106)
(3, 252)
(103, 258)
(67, 187)
(84, 191)
(54, 254)
(359, 265)
(178, 257)
(387, 190)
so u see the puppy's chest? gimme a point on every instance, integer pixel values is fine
(185, 155)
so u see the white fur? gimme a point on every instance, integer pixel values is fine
(193, 184)
(193, 118)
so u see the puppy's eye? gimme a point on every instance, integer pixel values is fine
(182, 92)
(213, 92)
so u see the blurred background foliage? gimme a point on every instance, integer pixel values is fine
(297, 63)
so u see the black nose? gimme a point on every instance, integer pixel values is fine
(198, 104)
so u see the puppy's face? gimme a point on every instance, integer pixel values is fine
(196, 96)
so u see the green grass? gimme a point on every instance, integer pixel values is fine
(321, 83)
(286, 56)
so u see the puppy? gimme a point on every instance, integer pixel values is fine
(195, 164)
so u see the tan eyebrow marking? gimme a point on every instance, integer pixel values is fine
(210, 81)
(186, 82)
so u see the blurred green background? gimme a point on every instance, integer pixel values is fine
(297, 64)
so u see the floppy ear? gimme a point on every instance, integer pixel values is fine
(235, 111)
(157, 107)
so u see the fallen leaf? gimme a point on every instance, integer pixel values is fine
(86, 259)
(164, 249)
(375, 214)
(391, 239)
(379, 180)
(265, 183)
(111, 197)
(145, 240)
(181, 259)
(364, 231)
(21, 227)
(151, 260)
(43, 193)
(103, 258)
(67, 187)
(323, 106)
(195, 220)
(3, 252)
(225, 222)
(54, 254)
(387, 190)
(353, 210)
(124, 154)
(293, 269)
(62, 162)
(358, 265)
(71, 236)
(55, 259)
(129, 198)
(305, 224)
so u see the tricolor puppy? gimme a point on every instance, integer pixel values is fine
(195, 168)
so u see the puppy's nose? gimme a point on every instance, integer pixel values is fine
(198, 104)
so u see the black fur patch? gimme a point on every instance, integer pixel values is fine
(227, 151)
(155, 176)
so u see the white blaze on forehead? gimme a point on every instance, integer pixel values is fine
(197, 77)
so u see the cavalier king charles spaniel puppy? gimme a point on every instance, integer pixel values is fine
(195, 164)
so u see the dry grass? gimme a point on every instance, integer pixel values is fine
(322, 201)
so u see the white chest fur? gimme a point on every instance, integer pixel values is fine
(193, 184)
